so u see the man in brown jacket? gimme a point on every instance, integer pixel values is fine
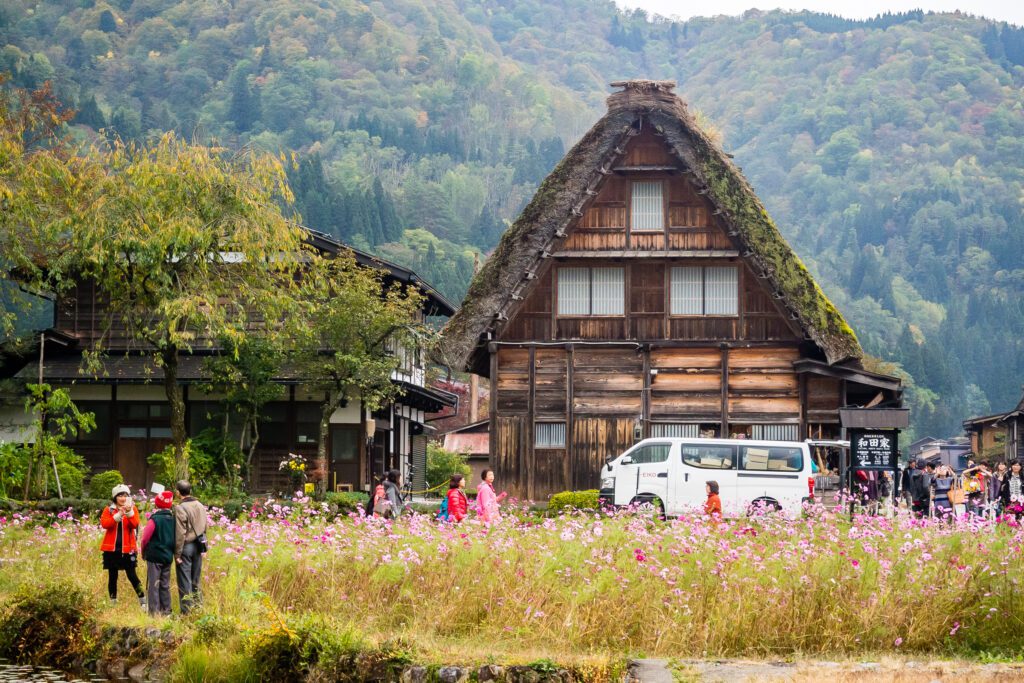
(189, 525)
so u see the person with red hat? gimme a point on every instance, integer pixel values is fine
(158, 552)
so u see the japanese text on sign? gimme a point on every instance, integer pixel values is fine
(874, 450)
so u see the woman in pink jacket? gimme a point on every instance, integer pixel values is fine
(486, 500)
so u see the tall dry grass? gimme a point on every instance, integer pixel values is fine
(587, 588)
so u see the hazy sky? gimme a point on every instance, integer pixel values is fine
(1002, 10)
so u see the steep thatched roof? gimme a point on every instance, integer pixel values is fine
(563, 193)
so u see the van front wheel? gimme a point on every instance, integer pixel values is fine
(657, 506)
(763, 506)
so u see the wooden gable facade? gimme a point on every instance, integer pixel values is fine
(645, 312)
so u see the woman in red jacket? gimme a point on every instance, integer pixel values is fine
(120, 519)
(458, 503)
(713, 505)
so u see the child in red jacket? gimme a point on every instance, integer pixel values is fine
(120, 519)
(458, 503)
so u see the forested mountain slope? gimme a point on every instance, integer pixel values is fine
(890, 152)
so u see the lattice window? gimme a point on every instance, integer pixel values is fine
(549, 435)
(648, 210)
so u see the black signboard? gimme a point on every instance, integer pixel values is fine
(874, 449)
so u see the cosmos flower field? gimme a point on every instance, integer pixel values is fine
(581, 585)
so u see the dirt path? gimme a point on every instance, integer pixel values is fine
(885, 670)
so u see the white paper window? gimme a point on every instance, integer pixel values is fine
(648, 207)
(675, 431)
(574, 291)
(713, 290)
(721, 295)
(549, 435)
(608, 290)
(687, 292)
(777, 432)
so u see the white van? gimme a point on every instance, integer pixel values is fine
(670, 473)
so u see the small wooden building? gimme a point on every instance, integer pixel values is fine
(643, 292)
(998, 436)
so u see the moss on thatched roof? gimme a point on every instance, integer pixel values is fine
(559, 198)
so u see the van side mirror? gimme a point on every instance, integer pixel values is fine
(626, 461)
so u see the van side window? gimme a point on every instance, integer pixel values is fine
(772, 459)
(654, 453)
(709, 457)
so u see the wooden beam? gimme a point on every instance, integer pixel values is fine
(653, 253)
(725, 392)
(530, 438)
(802, 382)
(570, 417)
(645, 399)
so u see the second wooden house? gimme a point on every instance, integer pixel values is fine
(645, 292)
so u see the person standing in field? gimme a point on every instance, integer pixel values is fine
(486, 500)
(120, 519)
(713, 505)
(995, 487)
(906, 482)
(920, 489)
(190, 522)
(1011, 493)
(157, 546)
(458, 503)
(944, 479)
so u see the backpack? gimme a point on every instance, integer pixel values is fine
(920, 486)
(442, 513)
(381, 504)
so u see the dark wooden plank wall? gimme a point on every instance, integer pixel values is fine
(693, 384)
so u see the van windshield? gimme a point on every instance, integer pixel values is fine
(709, 457)
(772, 458)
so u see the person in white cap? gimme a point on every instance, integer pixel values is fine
(120, 519)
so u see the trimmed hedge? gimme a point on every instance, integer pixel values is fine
(347, 501)
(103, 483)
(573, 500)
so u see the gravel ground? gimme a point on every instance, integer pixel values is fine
(883, 670)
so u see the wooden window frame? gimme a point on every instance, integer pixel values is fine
(659, 180)
(703, 291)
(590, 288)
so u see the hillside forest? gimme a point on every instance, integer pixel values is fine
(889, 151)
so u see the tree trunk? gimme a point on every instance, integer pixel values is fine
(228, 470)
(255, 429)
(321, 447)
(176, 399)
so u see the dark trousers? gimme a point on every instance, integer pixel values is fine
(187, 572)
(158, 585)
(133, 579)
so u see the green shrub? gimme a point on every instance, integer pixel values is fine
(442, 464)
(72, 480)
(347, 501)
(49, 625)
(236, 507)
(103, 483)
(573, 500)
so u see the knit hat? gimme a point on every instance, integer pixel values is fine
(118, 490)
(164, 499)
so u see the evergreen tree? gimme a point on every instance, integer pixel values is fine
(244, 109)
(108, 23)
(90, 114)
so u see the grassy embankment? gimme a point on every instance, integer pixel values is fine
(580, 590)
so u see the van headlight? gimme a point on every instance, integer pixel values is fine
(608, 483)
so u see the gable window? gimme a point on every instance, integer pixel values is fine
(549, 435)
(648, 208)
(708, 290)
(591, 291)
